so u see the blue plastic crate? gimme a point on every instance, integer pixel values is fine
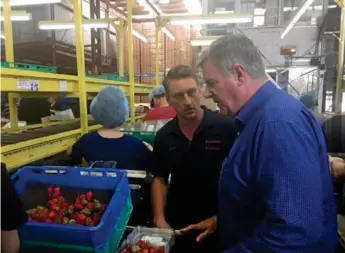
(81, 178)
(111, 247)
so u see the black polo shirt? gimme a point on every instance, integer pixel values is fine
(194, 166)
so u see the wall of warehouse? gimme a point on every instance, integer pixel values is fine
(25, 32)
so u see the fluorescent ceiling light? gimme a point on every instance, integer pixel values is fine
(211, 19)
(168, 33)
(30, 2)
(203, 41)
(301, 59)
(63, 25)
(271, 70)
(18, 16)
(139, 36)
(297, 16)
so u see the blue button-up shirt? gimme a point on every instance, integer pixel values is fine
(275, 189)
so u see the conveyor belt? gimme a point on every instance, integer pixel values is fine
(13, 138)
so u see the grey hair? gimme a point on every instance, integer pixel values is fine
(229, 50)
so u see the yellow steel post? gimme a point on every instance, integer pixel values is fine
(121, 32)
(158, 47)
(79, 42)
(9, 53)
(130, 59)
(340, 66)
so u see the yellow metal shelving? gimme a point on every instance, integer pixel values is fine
(23, 83)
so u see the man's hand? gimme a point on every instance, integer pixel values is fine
(208, 226)
(338, 168)
(162, 223)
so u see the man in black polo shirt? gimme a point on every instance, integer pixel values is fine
(190, 148)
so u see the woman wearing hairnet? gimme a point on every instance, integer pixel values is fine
(160, 109)
(110, 109)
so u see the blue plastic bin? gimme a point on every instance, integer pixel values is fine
(81, 178)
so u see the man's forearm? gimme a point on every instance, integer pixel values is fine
(159, 192)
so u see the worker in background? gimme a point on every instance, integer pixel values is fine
(190, 148)
(275, 189)
(32, 110)
(160, 109)
(309, 99)
(110, 109)
(13, 215)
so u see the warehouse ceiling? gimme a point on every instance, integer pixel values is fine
(166, 7)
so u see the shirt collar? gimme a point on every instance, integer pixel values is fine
(255, 103)
(207, 121)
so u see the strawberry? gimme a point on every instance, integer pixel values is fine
(57, 191)
(145, 251)
(153, 250)
(49, 190)
(128, 247)
(77, 201)
(90, 206)
(78, 206)
(84, 202)
(82, 196)
(65, 205)
(81, 218)
(92, 224)
(47, 221)
(89, 195)
(161, 249)
(74, 215)
(51, 215)
(71, 221)
(96, 218)
(61, 199)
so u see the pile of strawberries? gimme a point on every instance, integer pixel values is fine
(142, 247)
(85, 210)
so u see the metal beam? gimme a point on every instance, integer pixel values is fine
(96, 47)
(340, 65)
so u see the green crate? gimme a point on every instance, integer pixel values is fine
(5, 64)
(33, 67)
(43, 247)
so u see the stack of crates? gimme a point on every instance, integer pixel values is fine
(111, 77)
(30, 67)
(31, 183)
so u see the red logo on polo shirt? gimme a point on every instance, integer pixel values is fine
(213, 145)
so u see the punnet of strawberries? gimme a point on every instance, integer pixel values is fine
(86, 210)
(143, 246)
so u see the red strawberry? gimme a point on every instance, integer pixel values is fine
(90, 206)
(47, 221)
(81, 217)
(50, 190)
(65, 205)
(161, 249)
(56, 192)
(77, 201)
(128, 247)
(78, 206)
(51, 215)
(153, 250)
(96, 218)
(84, 202)
(74, 215)
(89, 195)
(145, 251)
(82, 196)
(61, 199)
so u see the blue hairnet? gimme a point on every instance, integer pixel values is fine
(309, 99)
(110, 107)
(157, 92)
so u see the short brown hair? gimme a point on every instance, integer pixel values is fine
(179, 72)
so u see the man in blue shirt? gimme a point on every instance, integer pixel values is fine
(275, 189)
